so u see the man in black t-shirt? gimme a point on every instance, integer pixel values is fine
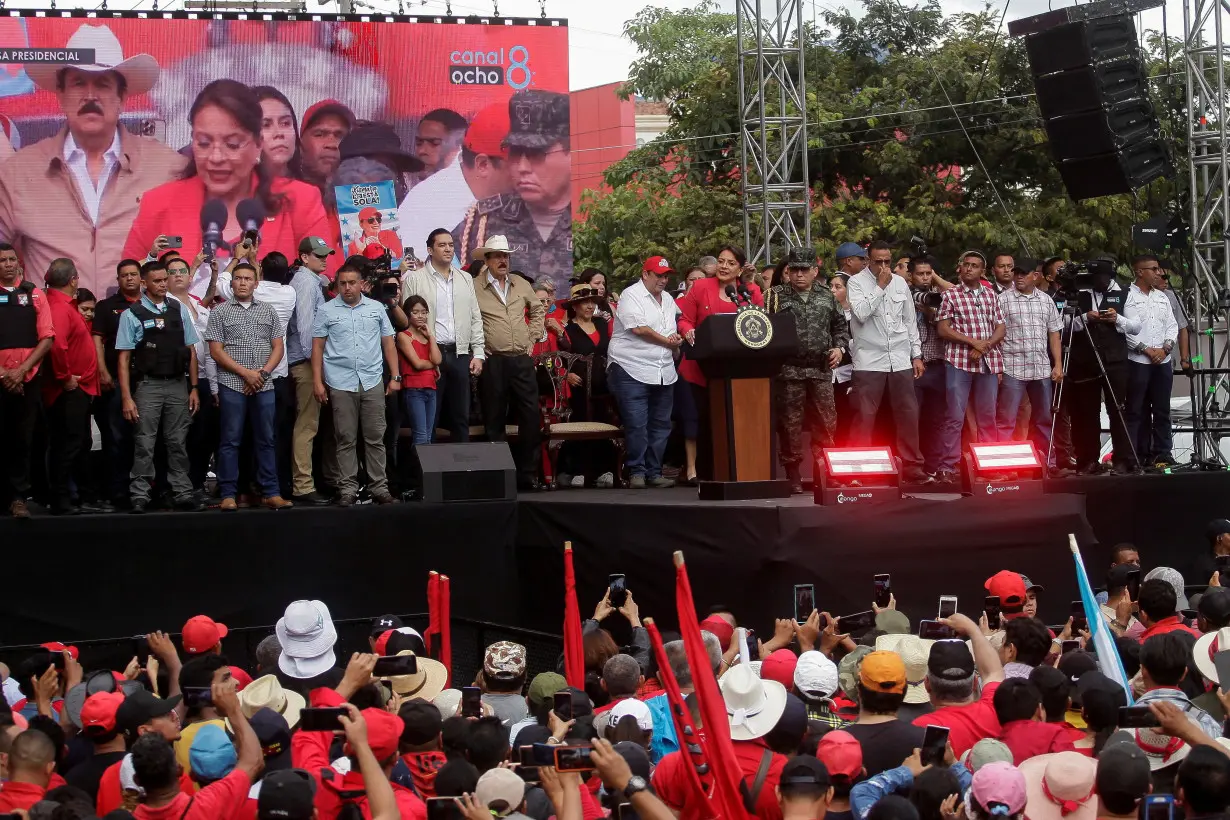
(886, 740)
(98, 723)
(116, 431)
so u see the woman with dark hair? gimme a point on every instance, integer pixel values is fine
(705, 298)
(279, 133)
(587, 334)
(226, 166)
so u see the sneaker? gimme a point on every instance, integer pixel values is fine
(605, 481)
(661, 483)
(138, 506)
(578, 481)
(638, 482)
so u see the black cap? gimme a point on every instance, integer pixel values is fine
(1123, 769)
(537, 120)
(286, 795)
(377, 140)
(635, 756)
(1215, 528)
(950, 660)
(801, 258)
(1050, 681)
(1215, 606)
(274, 735)
(385, 622)
(804, 770)
(1117, 578)
(142, 706)
(421, 722)
(1076, 664)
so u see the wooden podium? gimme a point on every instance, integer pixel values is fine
(740, 363)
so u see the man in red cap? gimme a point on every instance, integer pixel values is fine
(100, 725)
(842, 755)
(1009, 587)
(325, 125)
(202, 634)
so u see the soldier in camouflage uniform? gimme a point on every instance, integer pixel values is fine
(803, 392)
(537, 216)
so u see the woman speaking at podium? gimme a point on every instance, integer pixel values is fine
(705, 298)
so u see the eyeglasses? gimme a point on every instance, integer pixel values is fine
(534, 155)
(881, 262)
(230, 148)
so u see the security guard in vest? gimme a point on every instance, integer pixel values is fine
(158, 386)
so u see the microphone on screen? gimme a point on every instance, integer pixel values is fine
(732, 293)
(745, 293)
(213, 222)
(250, 213)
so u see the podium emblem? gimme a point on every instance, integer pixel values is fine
(753, 328)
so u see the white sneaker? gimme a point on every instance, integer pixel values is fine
(578, 481)
(605, 481)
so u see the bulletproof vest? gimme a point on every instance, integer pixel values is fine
(162, 351)
(18, 319)
(1111, 344)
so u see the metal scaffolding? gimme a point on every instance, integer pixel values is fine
(773, 128)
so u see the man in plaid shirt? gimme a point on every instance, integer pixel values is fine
(972, 325)
(1032, 358)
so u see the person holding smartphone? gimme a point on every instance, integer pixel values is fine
(953, 675)
(1118, 609)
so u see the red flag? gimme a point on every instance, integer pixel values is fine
(725, 799)
(446, 625)
(433, 612)
(689, 739)
(574, 644)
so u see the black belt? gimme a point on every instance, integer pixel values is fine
(180, 377)
(451, 347)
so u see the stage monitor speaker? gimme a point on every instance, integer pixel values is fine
(1076, 44)
(476, 471)
(1102, 131)
(1089, 87)
(1120, 173)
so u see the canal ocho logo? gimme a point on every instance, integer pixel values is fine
(496, 67)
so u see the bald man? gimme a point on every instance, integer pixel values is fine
(31, 760)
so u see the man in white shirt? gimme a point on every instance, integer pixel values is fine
(457, 325)
(887, 355)
(641, 371)
(1150, 366)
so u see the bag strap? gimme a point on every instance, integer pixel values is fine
(188, 808)
(750, 796)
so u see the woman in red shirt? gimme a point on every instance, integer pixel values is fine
(703, 299)
(419, 356)
(226, 149)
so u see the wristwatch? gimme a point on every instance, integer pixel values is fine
(397, 379)
(264, 374)
(635, 785)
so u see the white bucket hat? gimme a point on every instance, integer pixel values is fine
(139, 71)
(307, 635)
(753, 705)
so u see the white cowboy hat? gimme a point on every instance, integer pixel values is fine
(139, 71)
(1208, 645)
(426, 683)
(267, 693)
(495, 244)
(754, 706)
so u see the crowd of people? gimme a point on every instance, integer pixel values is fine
(1010, 719)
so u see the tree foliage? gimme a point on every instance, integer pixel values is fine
(919, 124)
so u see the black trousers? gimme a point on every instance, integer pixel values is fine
(203, 435)
(68, 421)
(1085, 394)
(284, 410)
(507, 388)
(117, 443)
(18, 415)
(870, 388)
(453, 393)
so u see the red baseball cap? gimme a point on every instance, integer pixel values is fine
(383, 732)
(720, 628)
(841, 754)
(1009, 586)
(98, 712)
(657, 264)
(324, 107)
(242, 678)
(56, 646)
(779, 666)
(202, 634)
(368, 213)
(487, 131)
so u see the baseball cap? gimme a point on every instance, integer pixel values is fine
(212, 756)
(1030, 586)
(815, 676)
(847, 671)
(1215, 528)
(1118, 575)
(501, 791)
(141, 707)
(1009, 586)
(848, 249)
(883, 671)
(1175, 579)
(658, 265)
(1215, 606)
(801, 258)
(999, 783)
(488, 130)
(324, 107)
(1075, 664)
(504, 660)
(319, 247)
(634, 708)
(98, 714)
(804, 770)
(987, 750)
(404, 638)
(273, 733)
(841, 754)
(1123, 769)
(719, 628)
(286, 795)
(780, 665)
(383, 623)
(201, 634)
(57, 646)
(421, 722)
(383, 732)
(544, 686)
(950, 660)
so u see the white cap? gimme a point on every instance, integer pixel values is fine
(636, 708)
(815, 675)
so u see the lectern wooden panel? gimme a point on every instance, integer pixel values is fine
(749, 455)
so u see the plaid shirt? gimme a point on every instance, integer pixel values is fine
(821, 713)
(1029, 320)
(247, 334)
(972, 313)
(929, 336)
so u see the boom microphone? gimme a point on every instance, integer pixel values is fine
(250, 213)
(213, 222)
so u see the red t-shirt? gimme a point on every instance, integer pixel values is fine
(670, 781)
(1171, 624)
(423, 767)
(219, 799)
(417, 378)
(969, 723)
(1029, 738)
(111, 793)
(14, 796)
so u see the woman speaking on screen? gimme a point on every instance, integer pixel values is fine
(226, 166)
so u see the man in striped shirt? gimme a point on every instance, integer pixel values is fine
(1032, 359)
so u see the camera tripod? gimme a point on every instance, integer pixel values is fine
(1069, 313)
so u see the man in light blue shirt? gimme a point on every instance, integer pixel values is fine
(351, 335)
(314, 253)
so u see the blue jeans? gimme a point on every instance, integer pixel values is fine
(420, 407)
(959, 384)
(1147, 411)
(1039, 392)
(259, 411)
(645, 410)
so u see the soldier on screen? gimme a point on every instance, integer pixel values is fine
(537, 216)
(803, 393)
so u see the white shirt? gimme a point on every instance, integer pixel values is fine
(500, 290)
(74, 158)
(1157, 322)
(440, 201)
(207, 369)
(883, 327)
(643, 360)
(446, 333)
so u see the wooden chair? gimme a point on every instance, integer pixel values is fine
(557, 424)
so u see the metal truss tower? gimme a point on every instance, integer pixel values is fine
(773, 128)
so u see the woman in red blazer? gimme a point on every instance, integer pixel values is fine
(705, 298)
(226, 151)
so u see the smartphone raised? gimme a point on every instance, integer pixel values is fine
(321, 719)
(617, 585)
(1069, 646)
(573, 758)
(948, 606)
(1137, 717)
(388, 666)
(990, 607)
(1221, 662)
(753, 650)
(804, 602)
(934, 746)
(935, 631)
(1133, 584)
(175, 241)
(196, 697)
(442, 808)
(883, 590)
(1158, 807)
(1079, 621)
(561, 704)
(858, 622)
(471, 701)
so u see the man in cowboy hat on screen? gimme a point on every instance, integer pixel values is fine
(512, 322)
(75, 195)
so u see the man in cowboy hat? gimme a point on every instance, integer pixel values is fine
(88, 179)
(536, 218)
(512, 321)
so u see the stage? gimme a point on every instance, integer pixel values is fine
(98, 577)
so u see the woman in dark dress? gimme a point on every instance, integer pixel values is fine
(587, 334)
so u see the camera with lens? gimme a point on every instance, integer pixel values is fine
(1073, 277)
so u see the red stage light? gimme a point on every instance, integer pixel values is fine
(857, 475)
(854, 462)
(1014, 456)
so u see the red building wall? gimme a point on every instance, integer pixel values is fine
(603, 132)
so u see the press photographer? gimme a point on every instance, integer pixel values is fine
(1097, 368)
(927, 287)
